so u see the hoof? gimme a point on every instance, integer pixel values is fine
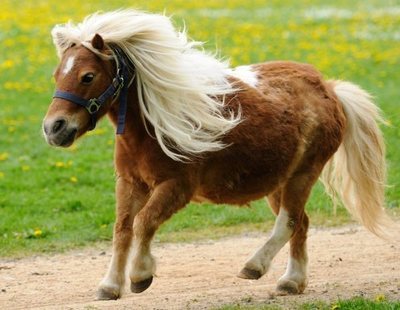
(251, 274)
(288, 287)
(103, 294)
(138, 287)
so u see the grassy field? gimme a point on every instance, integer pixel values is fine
(55, 199)
(352, 304)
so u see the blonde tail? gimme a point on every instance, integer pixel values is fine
(357, 171)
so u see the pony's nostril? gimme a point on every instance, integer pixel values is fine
(58, 125)
(46, 129)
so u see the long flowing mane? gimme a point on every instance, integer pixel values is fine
(181, 88)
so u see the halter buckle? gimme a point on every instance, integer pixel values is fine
(118, 83)
(93, 106)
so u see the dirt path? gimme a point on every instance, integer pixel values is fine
(344, 262)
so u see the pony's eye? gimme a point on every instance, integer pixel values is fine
(87, 78)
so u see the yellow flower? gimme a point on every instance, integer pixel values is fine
(335, 307)
(380, 298)
(97, 132)
(59, 164)
(3, 156)
(73, 148)
(37, 233)
(73, 179)
(7, 64)
(25, 168)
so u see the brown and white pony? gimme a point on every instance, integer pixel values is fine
(194, 129)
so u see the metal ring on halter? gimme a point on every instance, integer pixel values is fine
(93, 106)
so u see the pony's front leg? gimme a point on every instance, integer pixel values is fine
(130, 199)
(166, 199)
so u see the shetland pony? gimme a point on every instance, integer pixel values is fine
(191, 128)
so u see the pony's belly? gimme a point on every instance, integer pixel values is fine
(200, 199)
(233, 198)
(239, 192)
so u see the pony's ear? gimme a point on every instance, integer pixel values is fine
(98, 42)
(60, 39)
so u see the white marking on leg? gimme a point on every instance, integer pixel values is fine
(279, 237)
(69, 65)
(245, 74)
(143, 263)
(296, 270)
(115, 277)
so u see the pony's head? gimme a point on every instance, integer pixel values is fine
(84, 72)
(180, 90)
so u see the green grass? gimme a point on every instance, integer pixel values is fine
(353, 304)
(349, 304)
(56, 199)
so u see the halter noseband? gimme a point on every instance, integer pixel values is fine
(118, 87)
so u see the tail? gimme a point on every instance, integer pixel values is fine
(357, 171)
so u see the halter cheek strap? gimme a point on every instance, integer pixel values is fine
(118, 87)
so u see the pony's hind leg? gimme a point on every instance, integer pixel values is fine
(291, 224)
(295, 278)
(130, 199)
(294, 197)
(294, 281)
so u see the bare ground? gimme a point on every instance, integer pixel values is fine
(344, 262)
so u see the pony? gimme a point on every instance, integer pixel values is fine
(190, 128)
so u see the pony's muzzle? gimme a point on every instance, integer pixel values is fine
(58, 132)
(57, 126)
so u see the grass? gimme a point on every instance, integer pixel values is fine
(53, 199)
(350, 304)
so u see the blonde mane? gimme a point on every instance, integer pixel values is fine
(179, 86)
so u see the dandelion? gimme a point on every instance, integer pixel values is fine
(3, 156)
(37, 232)
(380, 298)
(335, 307)
(97, 132)
(7, 64)
(73, 148)
(25, 168)
(8, 85)
(59, 164)
(73, 179)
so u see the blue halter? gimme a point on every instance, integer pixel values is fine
(118, 87)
